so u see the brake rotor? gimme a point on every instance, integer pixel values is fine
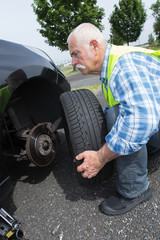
(41, 144)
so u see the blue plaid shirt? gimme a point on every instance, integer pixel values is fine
(135, 84)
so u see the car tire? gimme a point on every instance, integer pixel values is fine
(85, 129)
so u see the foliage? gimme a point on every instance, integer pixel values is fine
(115, 38)
(128, 19)
(155, 7)
(58, 18)
(150, 39)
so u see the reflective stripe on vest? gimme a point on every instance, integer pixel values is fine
(115, 53)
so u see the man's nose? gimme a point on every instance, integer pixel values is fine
(74, 61)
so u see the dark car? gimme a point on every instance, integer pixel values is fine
(30, 87)
(30, 109)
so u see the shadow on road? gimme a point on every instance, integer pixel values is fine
(64, 174)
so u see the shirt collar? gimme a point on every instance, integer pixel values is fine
(103, 76)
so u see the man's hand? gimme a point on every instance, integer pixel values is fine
(91, 165)
(94, 161)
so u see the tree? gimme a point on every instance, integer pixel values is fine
(128, 19)
(115, 38)
(58, 18)
(150, 39)
(155, 7)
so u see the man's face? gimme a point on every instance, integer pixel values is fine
(81, 57)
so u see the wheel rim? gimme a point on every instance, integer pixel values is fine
(41, 145)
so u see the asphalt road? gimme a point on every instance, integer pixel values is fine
(78, 80)
(51, 204)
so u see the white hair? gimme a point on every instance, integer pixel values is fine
(86, 32)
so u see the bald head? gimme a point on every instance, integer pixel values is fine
(85, 33)
(87, 48)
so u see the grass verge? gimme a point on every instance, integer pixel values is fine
(92, 88)
(68, 71)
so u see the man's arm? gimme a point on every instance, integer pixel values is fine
(94, 161)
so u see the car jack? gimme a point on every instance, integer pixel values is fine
(10, 227)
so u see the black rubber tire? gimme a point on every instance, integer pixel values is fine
(85, 128)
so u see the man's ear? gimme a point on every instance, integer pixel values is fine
(94, 44)
(94, 47)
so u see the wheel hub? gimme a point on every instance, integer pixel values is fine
(44, 145)
(41, 144)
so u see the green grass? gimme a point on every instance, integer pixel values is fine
(67, 71)
(154, 47)
(92, 88)
(71, 73)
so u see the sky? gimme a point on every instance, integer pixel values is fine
(18, 24)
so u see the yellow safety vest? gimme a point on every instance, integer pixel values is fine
(115, 53)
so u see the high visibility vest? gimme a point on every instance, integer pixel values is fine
(115, 53)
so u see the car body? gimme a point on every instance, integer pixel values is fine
(30, 109)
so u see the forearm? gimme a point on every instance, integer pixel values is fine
(106, 155)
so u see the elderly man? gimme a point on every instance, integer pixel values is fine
(131, 85)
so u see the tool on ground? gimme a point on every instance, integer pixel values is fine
(10, 227)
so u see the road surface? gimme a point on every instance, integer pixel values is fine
(78, 80)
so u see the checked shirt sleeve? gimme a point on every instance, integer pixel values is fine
(137, 89)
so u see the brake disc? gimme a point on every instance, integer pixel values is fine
(41, 144)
